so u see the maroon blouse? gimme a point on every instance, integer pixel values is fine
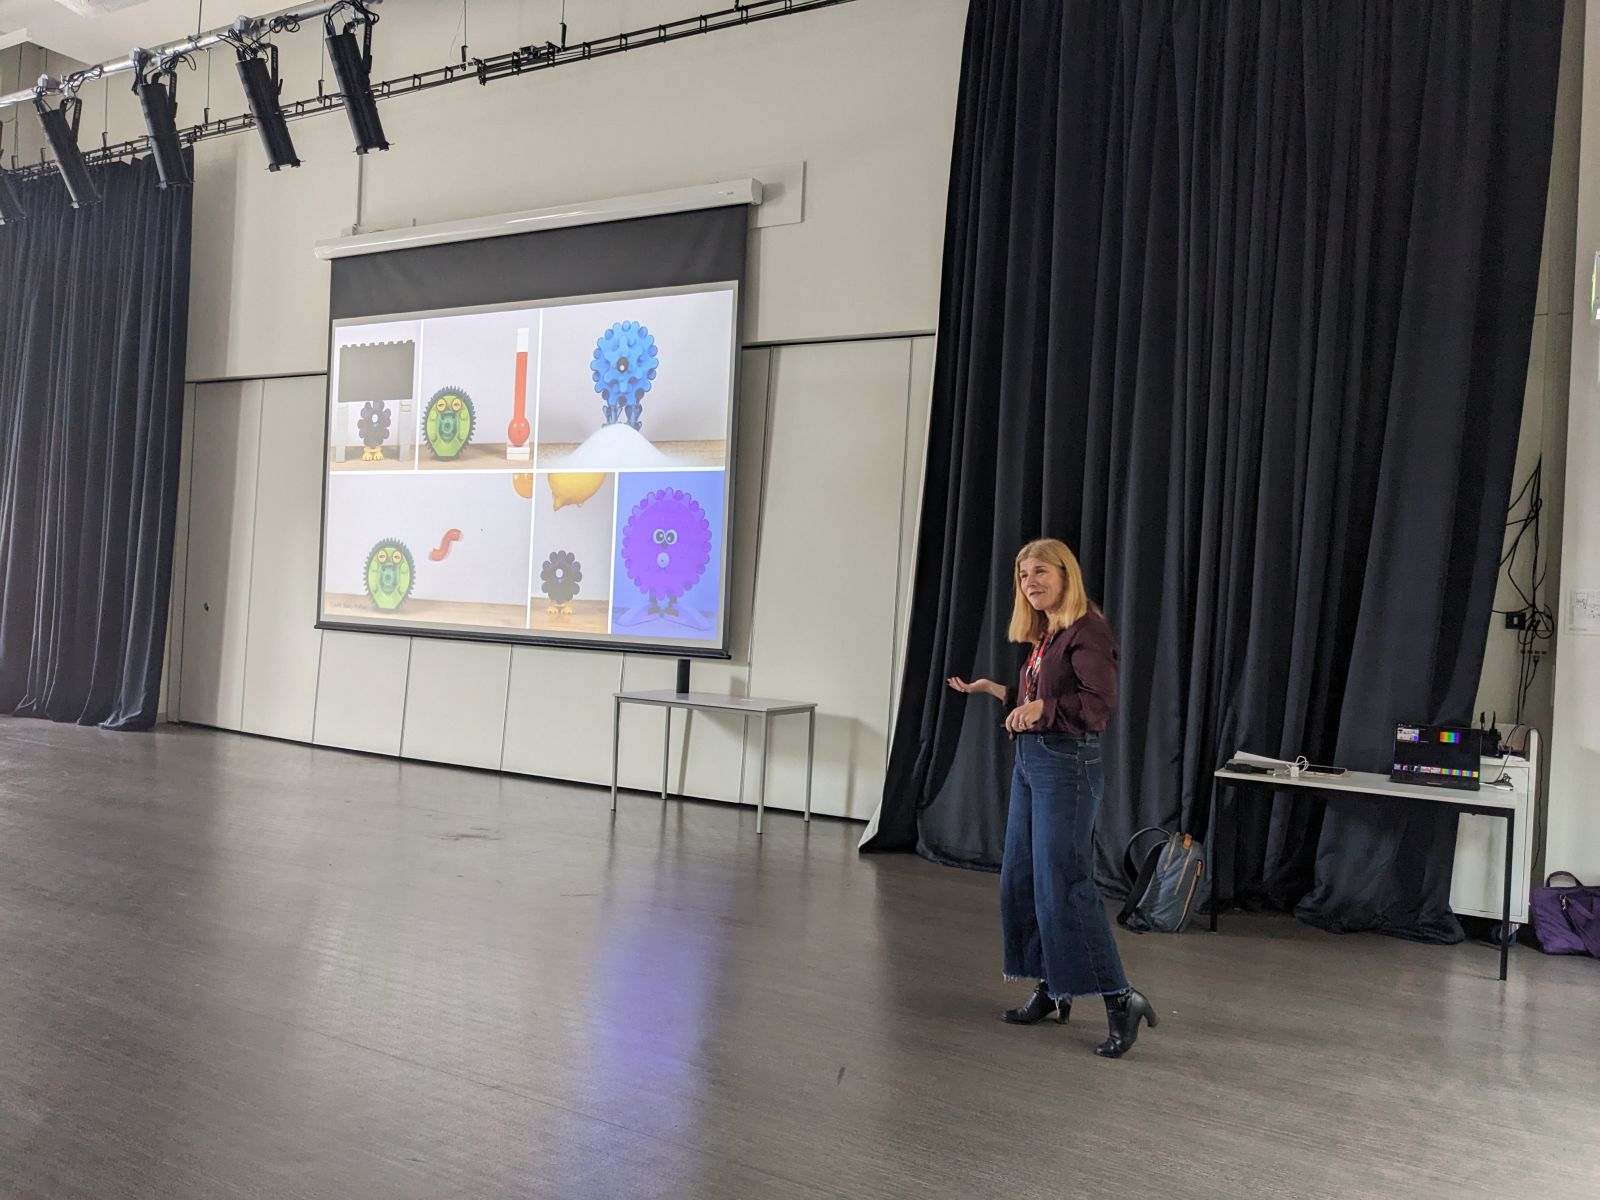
(1077, 679)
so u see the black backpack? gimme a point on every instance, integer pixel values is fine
(1168, 884)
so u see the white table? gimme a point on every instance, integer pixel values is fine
(1488, 801)
(742, 706)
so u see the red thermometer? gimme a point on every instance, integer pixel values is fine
(517, 431)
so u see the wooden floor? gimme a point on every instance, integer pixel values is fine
(238, 968)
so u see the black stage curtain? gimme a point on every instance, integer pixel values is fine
(93, 327)
(1237, 301)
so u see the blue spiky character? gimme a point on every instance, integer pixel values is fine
(624, 367)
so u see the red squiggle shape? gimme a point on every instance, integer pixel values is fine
(450, 535)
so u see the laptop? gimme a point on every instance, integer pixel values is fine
(1445, 756)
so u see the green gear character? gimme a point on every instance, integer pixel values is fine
(390, 573)
(450, 422)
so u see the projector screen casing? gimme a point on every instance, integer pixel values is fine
(668, 253)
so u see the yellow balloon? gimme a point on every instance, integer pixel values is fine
(574, 487)
(523, 482)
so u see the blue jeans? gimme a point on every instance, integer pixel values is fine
(1051, 915)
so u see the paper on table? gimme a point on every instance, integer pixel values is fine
(1259, 760)
(1281, 766)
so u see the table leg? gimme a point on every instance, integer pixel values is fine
(811, 754)
(1505, 902)
(744, 742)
(616, 743)
(1211, 849)
(761, 787)
(666, 749)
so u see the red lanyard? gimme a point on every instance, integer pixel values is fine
(1035, 663)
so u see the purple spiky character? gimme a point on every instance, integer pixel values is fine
(666, 547)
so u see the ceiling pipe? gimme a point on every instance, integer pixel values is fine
(245, 29)
(507, 64)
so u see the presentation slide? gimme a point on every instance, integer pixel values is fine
(554, 472)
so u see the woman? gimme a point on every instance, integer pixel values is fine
(1051, 915)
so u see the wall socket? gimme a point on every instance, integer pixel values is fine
(1516, 620)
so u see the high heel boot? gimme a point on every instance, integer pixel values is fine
(1124, 1014)
(1038, 1007)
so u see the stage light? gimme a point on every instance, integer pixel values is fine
(61, 131)
(259, 74)
(160, 105)
(352, 66)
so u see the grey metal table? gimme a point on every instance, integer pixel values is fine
(742, 706)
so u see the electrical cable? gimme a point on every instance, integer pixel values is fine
(1536, 627)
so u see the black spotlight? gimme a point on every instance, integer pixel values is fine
(259, 74)
(61, 131)
(160, 104)
(11, 207)
(352, 66)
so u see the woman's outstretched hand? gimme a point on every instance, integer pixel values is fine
(1021, 720)
(987, 686)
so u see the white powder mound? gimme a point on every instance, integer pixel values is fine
(613, 446)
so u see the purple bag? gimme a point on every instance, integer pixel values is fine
(1566, 919)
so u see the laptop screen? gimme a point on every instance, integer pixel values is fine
(1440, 755)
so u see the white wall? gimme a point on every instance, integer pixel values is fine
(1544, 409)
(14, 64)
(1573, 825)
(818, 583)
(21, 65)
(1543, 435)
(864, 96)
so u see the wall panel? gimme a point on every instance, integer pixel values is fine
(284, 645)
(216, 586)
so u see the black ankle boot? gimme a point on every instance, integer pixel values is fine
(1124, 1016)
(1038, 1007)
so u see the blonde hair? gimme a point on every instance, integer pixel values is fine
(1028, 624)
